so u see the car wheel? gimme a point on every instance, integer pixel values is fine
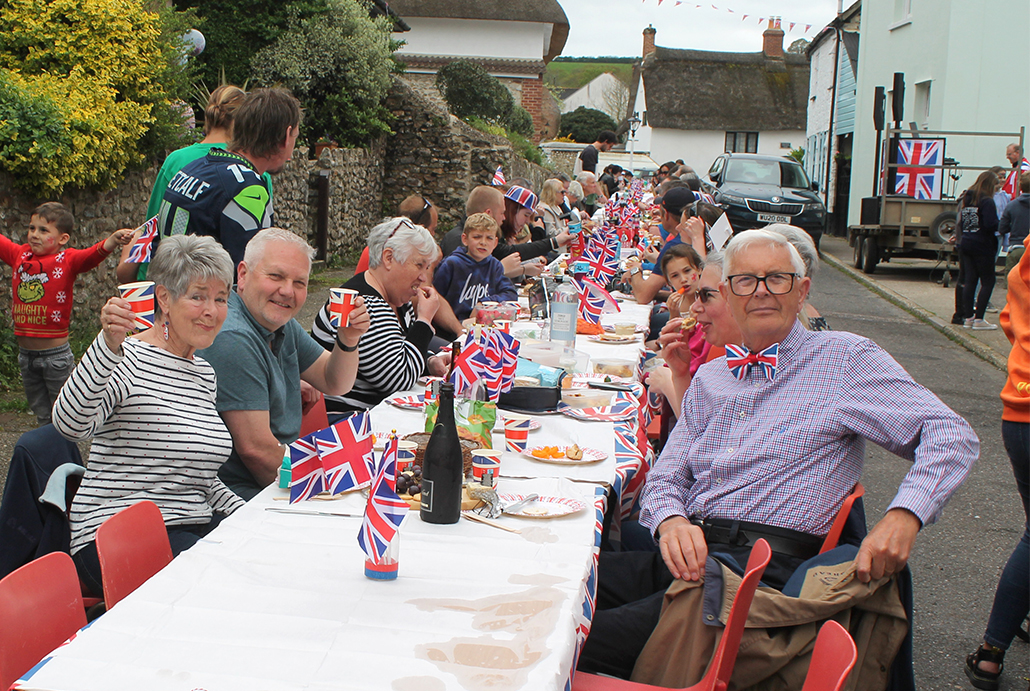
(944, 227)
(870, 255)
(858, 252)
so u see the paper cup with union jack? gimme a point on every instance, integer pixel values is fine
(503, 325)
(516, 429)
(141, 297)
(485, 460)
(405, 455)
(341, 302)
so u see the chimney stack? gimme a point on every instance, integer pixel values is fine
(772, 40)
(649, 33)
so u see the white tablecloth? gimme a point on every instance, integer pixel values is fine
(279, 601)
(276, 600)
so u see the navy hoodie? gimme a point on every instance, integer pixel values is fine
(463, 282)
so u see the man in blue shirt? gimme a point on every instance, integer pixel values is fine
(262, 354)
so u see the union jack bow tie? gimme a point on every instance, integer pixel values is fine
(740, 360)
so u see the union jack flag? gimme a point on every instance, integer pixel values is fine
(141, 250)
(468, 366)
(913, 179)
(307, 477)
(385, 511)
(346, 452)
(498, 176)
(594, 301)
(602, 257)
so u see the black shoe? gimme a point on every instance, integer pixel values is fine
(956, 319)
(988, 681)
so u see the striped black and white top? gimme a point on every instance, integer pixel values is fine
(156, 435)
(391, 354)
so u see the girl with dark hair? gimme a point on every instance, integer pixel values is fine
(519, 209)
(978, 223)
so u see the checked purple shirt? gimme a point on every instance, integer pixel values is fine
(787, 452)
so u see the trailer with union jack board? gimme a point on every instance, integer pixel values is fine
(915, 209)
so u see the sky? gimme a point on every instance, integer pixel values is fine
(614, 27)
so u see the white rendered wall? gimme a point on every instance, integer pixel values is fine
(959, 46)
(476, 38)
(595, 95)
(698, 148)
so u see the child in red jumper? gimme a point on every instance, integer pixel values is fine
(43, 275)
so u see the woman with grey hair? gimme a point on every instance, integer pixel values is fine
(148, 402)
(401, 304)
(802, 242)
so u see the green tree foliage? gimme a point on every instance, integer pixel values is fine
(583, 124)
(471, 91)
(338, 63)
(87, 89)
(520, 121)
(235, 30)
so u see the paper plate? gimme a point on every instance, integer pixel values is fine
(407, 402)
(614, 340)
(589, 456)
(641, 328)
(544, 507)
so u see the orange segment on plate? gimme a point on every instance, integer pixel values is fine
(548, 452)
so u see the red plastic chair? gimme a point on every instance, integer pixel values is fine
(132, 546)
(833, 537)
(315, 419)
(40, 608)
(832, 660)
(717, 678)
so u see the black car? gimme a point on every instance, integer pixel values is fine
(757, 190)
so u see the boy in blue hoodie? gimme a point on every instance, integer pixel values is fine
(471, 274)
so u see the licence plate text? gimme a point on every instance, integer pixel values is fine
(773, 218)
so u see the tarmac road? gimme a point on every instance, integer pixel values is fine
(957, 561)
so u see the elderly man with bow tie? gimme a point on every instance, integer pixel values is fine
(770, 442)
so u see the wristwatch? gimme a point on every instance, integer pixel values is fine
(345, 348)
(634, 271)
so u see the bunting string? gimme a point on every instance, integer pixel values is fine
(776, 22)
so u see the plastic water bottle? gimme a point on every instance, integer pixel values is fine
(564, 312)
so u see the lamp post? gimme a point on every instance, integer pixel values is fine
(634, 123)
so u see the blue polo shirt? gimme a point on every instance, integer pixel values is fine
(258, 369)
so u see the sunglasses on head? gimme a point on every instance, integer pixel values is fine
(423, 215)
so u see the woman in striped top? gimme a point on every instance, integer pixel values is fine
(149, 406)
(401, 304)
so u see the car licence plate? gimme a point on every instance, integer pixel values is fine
(773, 218)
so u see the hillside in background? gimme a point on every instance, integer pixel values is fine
(572, 73)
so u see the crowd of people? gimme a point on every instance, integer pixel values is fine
(773, 409)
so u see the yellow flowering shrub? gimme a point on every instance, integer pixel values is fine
(83, 86)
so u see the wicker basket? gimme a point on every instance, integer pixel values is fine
(467, 447)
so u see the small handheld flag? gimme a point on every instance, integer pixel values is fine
(498, 176)
(141, 250)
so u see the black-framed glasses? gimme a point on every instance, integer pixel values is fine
(422, 215)
(703, 295)
(743, 285)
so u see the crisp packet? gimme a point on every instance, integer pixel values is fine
(474, 420)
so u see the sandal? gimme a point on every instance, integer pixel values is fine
(988, 681)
